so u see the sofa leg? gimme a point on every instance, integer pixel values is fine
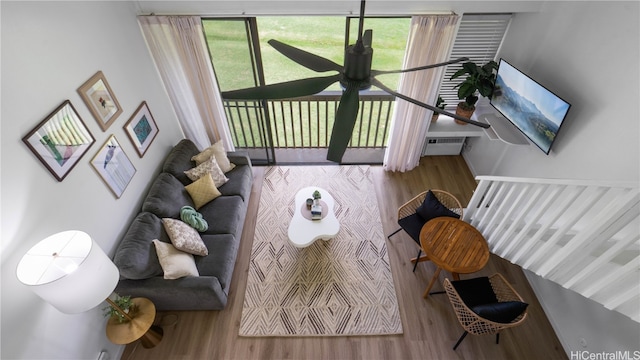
(460, 340)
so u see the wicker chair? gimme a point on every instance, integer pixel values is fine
(412, 223)
(462, 299)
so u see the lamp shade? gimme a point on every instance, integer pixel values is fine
(69, 271)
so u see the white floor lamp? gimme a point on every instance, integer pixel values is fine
(71, 272)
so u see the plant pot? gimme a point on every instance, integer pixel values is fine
(464, 111)
(434, 117)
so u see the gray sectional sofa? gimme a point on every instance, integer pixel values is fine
(136, 258)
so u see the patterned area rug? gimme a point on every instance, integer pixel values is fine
(338, 287)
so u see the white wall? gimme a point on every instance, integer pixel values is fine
(49, 49)
(588, 53)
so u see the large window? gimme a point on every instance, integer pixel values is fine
(242, 58)
(236, 61)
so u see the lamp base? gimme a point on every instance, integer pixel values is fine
(152, 337)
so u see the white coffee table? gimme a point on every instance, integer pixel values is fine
(304, 232)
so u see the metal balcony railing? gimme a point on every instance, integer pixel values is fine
(306, 122)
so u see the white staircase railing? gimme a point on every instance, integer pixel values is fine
(583, 235)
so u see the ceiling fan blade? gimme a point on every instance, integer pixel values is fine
(381, 72)
(284, 90)
(380, 85)
(304, 58)
(345, 121)
(367, 38)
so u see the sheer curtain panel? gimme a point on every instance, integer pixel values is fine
(430, 41)
(178, 48)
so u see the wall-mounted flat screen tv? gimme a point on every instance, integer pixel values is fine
(534, 110)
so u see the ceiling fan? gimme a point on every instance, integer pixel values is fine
(355, 75)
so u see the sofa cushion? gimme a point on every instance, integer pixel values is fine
(135, 256)
(166, 197)
(175, 263)
(184, 237)
(179, 160)
(240, 180)
(412, 224)
(224, 215)
(223, 250)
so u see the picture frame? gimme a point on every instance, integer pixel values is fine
(114, 166)
(141, 128)
(100, 99)
(60, 140)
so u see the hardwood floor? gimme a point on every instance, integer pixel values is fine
(430, 326)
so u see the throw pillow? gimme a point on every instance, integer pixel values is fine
(202, 191)
(209, 166)
(175, 263)
(432, 208)
(184, 237)
(501, 312)
(475, 291)
(219, 152)
(190, 216)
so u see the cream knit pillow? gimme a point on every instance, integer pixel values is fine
(219, 152)
(175, 263)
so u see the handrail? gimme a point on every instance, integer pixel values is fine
(580, 234)
(611, 183)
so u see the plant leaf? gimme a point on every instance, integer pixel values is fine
(458, 74)
(466, 89)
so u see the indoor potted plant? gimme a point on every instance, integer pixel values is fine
(440, 104)
(479, 79)
(124, 303)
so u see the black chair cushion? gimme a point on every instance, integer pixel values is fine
(432, 207)
(501, 312)
(476, 291)
(412, 224)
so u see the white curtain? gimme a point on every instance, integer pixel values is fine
(430, 42)
(178, 48)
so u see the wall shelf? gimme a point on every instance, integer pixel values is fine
(501, 128)
(446, 127)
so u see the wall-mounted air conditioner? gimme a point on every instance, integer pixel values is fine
(443, 146)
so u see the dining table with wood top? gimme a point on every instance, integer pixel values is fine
(453, 245)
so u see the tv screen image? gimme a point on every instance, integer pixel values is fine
(533, 109)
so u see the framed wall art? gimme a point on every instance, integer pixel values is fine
(141, 128)
(60, 140)
(113, 166)
(100, 100)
